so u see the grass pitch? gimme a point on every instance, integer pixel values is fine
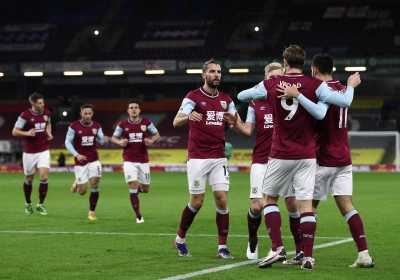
(66, 245)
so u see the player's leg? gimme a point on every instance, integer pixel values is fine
(29, 163)
(304, 182)
(294, 224)
(143, 183)
(131, 171)
(144, 178)
(81, 178)
(276, 182)
(342, 189)
(44, 168)
(196, 173)
(254, 215)
(219, 182)
(94, 175)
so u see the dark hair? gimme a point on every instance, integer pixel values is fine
(133, 101)
(34, 97)
(295, 56)
(323, 62)
(87, 105)
(211, 61)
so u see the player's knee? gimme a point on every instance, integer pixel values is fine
(145, 188)
(29, 178)
(44, 178)
(81, 192)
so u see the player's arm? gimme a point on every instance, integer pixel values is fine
(325, 93)
(186, 114)
(236, 124)
(48, 130)
(246, 129)
(155, 135)
(19, 125)
(255, 93)
(116, 138)
(103, 139)
(69, 140)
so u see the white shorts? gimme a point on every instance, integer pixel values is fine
(215, 170)
(257, 172)
(134, 171)
(337, 180)
(282, 174)
(33, 161)
(85, 172)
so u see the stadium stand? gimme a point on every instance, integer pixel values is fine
(63, 31)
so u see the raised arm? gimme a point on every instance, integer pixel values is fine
(317, 110)
(257, 92)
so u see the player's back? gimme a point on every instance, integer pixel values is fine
(264, 128)
(294, 127)
(332, 141)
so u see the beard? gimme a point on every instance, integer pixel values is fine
(212, 83)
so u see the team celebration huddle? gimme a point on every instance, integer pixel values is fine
(301, 153)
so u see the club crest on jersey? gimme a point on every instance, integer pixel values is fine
(223, 104)
(203, 103)
(143, 127)
(94, 131)
(254, 190)
(196, 183)
(45, 118)
(262, 108)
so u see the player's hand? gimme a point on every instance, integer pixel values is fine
(49, 136)
(288, 91)
(31, 132)
(105, 139)
(231, 126)
(81, 158)
(123, 142)
(195, 117)
(231, 118)
(354, 80)
(252, 102)
(147, 141)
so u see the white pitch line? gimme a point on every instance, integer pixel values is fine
(229, 266)
(142, 234)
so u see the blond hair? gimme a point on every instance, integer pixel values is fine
(273, 66)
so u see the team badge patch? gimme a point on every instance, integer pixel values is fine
(94, 131)
(254, 190)
(196, 183)
(223, 104)
(46, 118)
(128, 177)
(143, 127)
(79, 179)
